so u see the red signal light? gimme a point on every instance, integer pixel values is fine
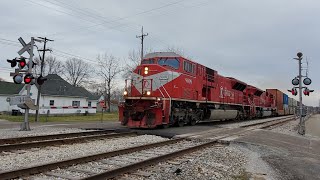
(22, 62)
(28, 78)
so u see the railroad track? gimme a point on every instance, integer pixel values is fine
(115, 163)
(273, 122)
(57, 139)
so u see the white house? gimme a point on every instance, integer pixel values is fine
(8, 89)
(57, 97)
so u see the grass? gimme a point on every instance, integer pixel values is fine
(65, 118)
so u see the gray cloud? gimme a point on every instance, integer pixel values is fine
(253, 41)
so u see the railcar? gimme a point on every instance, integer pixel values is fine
(167, 89)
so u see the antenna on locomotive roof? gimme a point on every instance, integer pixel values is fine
(142, 38)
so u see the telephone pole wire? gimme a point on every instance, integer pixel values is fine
(142, 38)
(45, 40)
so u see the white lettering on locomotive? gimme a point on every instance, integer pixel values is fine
(224, 92)
(189, 81)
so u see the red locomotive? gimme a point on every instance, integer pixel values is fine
(168, 89)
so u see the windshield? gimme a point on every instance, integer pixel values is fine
(172, 62)
(148, 61)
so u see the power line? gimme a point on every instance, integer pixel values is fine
(68, 55)
(126, 17)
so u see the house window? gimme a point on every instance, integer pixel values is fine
(76, 103)
(89, 104)
(51, 102)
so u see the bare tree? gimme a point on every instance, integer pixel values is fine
(176, 50)
(76, 71)
(109, 68)
(54, 66)
(51, 66)
(133, 60)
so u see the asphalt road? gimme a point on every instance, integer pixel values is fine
(294, 157)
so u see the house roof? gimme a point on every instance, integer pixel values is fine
(56, 86)
(10, 88)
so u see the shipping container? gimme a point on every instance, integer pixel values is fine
(290, 102)
(285, 99)
(281, 112)
(278, 96)
(286, 109)
(294, 103)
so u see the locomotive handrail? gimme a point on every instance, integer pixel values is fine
(167, 95)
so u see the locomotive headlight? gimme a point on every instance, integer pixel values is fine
(148, 93)
(125, 93)
(146, 70)
(158, 99)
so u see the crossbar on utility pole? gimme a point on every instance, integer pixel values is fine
(142, 38)
(45, 40)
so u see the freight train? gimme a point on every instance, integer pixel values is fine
(167, 89)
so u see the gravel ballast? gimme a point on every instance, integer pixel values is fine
(36, 131)
(46, 155)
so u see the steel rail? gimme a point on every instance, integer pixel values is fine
(71, 162)
(276, 124)
(51, 136)
(135, 166)
(34, 144)
(264, 122)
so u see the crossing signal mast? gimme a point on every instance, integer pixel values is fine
(297, 83)
(24, 74)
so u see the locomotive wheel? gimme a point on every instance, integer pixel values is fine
(164, 126)
(193, 122)
(180, 123)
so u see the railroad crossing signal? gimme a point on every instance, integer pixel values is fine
(293, 91)
(41, 80)
(28, 78)
(13, 62)
(17, 79)
(307, 91)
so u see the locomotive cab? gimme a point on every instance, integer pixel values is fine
(148, 92)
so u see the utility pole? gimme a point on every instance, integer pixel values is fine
(45, 40)
(142, 38)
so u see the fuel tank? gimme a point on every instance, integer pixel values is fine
(220, 114)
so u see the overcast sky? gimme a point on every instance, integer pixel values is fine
(251, 40)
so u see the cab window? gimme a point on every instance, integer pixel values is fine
(172, 62)
(188, 67)
(148, 61)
